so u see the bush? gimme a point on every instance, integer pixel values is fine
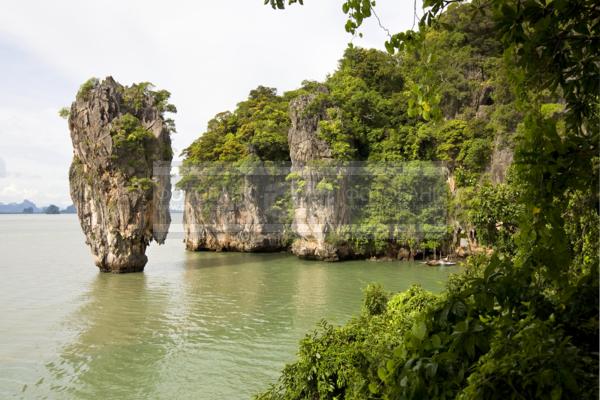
(86, 88)
(343, 362)
(375, 299)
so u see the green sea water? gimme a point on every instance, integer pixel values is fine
(192, 326)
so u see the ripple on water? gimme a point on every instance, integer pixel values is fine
(194, 325)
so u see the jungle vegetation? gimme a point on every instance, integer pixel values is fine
(372, 116)
(521, 323)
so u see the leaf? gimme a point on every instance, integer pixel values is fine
(373, 387)
(390, 365)
(403, 381)
(436, 341)
(419, 330)
(556, 393)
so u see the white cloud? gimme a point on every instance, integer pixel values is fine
(208, 54)
(36, 150)
(13, 193)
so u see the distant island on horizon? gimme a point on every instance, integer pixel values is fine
(29, 207)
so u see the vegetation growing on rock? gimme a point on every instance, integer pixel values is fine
(376, 108)
(120, 174)
(522, 322)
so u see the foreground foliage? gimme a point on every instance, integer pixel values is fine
(523, 322)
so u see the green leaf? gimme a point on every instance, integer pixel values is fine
(436, 342)
(419, 330)
(373, 387)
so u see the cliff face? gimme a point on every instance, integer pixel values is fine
(318, 187)
(120, 174)
(243, 216)
(264, 209)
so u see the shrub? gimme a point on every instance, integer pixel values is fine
(86, 88)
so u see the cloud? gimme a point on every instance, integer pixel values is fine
(2, 168)
(208, 54)
(12, 193)
(35, 144)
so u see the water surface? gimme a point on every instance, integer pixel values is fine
(192, 326)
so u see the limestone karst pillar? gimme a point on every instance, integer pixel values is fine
(120, 174)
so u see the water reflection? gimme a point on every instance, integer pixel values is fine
(202, 325)
(123, 335)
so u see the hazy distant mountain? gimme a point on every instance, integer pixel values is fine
(69, 210)
(19, 207)
(52, 209)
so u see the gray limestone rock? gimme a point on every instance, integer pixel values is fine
(120, 174)
(319, 191)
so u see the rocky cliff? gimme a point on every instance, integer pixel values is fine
(318, 188)
(120, 174)
(242, 215)
(371, 160)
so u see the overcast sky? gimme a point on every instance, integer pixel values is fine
(208, 54)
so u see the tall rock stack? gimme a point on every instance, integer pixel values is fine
(319, 188)
(120, 174)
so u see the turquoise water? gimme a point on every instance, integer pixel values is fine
(192, 326)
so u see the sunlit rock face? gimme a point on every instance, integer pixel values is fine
(318, 210)
(120, 174)
(244, 219)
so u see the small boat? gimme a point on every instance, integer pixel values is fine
(435, 263)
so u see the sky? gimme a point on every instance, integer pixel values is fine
(208, 54)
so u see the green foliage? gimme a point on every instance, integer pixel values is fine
(140, 95)
(135, 95)
(253, 135)
(64, 112)
(325, 186)
(344, 362)
(280, 4)
(132, 143)
(86, 88)
(495, 213)
(405, 205)
(375, 300)
(127, 132)
(141, 184)
(522, 323)
(360, 103)
(256, 129)
(161, 101)
(539, 360)
(365, 114)
(492, 334)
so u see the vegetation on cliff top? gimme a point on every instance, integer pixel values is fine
(133, 145)
(371, 103)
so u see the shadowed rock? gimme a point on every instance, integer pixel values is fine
(241, 217)
(120, 174)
